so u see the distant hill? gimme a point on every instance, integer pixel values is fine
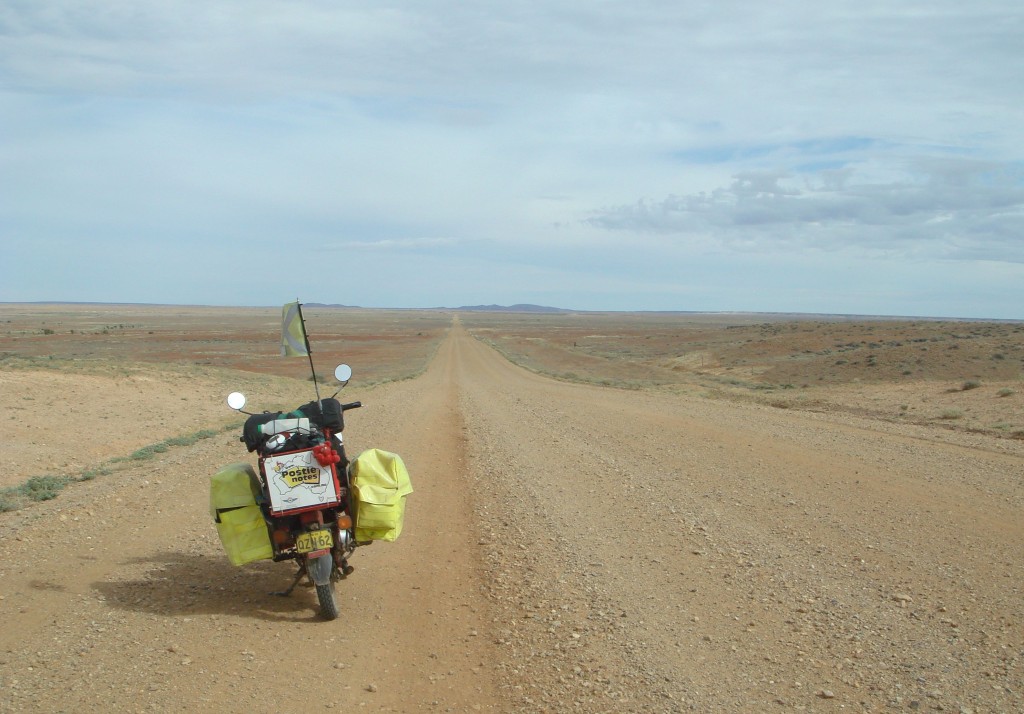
(464, 308)
(543, 309)
(511, 308)
(323, 304)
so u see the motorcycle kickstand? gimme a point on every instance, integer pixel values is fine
(298, 577)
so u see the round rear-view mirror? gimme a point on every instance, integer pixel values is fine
(236, 400)
(343, 373)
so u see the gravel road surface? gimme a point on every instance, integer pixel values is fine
(567, 548)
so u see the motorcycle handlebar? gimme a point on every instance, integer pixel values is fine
(351, 405)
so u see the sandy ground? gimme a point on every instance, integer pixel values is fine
(568, 548)
(58, 422)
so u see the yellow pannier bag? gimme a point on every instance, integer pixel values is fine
(381, 484)
(233, 504)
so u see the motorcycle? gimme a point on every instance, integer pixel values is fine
(301, 493)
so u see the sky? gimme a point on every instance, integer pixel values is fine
(858, 157)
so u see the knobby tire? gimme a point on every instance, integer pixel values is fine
(328, 606)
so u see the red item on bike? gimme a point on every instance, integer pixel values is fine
(326, 455)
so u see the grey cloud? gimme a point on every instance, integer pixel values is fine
(949, 208)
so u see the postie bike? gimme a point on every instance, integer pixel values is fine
(305, 501)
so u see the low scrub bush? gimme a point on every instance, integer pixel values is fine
(43, 488)
(90, 474)
(190, 439)
(148, 452)
(37, 488)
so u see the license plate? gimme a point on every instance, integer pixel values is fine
(314, 540)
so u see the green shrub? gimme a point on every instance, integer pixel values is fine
(148, 452)
(43, 488)
(970, 384)
(189, 439)
(90, 474)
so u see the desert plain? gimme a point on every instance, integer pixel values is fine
(612, 513)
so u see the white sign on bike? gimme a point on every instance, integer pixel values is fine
(296, 480)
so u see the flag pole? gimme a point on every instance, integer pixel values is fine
(309, 352)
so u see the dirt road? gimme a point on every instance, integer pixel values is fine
(568, 548)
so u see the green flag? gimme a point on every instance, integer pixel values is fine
(293, 334)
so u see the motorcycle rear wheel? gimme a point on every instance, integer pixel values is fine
(328, 606)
